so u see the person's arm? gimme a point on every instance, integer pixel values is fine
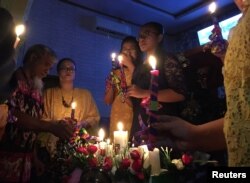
(109, 95)
(186, 136)
(61, 129)
(109, 90)
(166, 95)
(210, 136)
(92, 117)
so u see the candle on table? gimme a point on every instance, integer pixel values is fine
(154, 159)
(101, 134)
(73, 108)
(109, 148)
(120, 136)
(153, 105)
(19, 30)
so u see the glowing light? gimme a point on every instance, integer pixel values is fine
(152, 61)
(120, 126)
(212, 7)
(19, 29)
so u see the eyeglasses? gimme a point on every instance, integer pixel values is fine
(129, 51)
(67, 69)
(146, 34)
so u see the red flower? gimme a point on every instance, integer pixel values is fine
(107, 165)
(186, 159)
(92, 149)
(137, 165)
(93, 162)
(140, 175)
(82, 150)
(135, 155)
(125, 163)
(102, 152)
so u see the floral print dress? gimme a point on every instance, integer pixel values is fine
(17, 144)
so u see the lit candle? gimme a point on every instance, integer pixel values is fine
(153, 105)
(73, 108)
(154, 159)
(114, 63)
(101, 134)
(19, 30)
(120, 136)
(212, 8)
(109, 148)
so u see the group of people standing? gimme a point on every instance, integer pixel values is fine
(26, 110)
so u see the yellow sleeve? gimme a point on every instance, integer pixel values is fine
(3, 118)
(47, 99)
(93, 116)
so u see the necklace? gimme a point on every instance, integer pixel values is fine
(65, 104)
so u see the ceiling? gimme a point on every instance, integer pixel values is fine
(176, 15)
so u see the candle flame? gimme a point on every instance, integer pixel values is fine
(120, 58)
(212, 7)
(108, 141)
(73, 105)
(120, 126)
(113, 55)
(152, 61)
(101, 134)
(19, 29)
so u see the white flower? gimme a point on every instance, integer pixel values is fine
(178, 163)
(113, 170)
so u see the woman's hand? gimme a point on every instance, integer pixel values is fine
(175, 132)
(63, 129)
(137, 92)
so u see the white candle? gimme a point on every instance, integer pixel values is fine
(120, 136)
(154, 159)
(102, 144)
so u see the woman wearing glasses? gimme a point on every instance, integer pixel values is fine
(171, 79)
(57, 105)
(58, 100)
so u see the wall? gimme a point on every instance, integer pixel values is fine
(60, 26)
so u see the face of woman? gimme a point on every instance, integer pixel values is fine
(129, 48)
(67, 71)
(149, 39)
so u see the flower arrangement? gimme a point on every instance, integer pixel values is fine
(87, 159)
(84, 154)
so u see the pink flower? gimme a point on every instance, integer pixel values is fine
(140, 175)
(92, 149)
(125, 163)
(82, 150)
(135, 155)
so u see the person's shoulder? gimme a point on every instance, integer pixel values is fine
(53, 89)
(82, 91)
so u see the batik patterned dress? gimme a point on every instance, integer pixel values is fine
(17, 144)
